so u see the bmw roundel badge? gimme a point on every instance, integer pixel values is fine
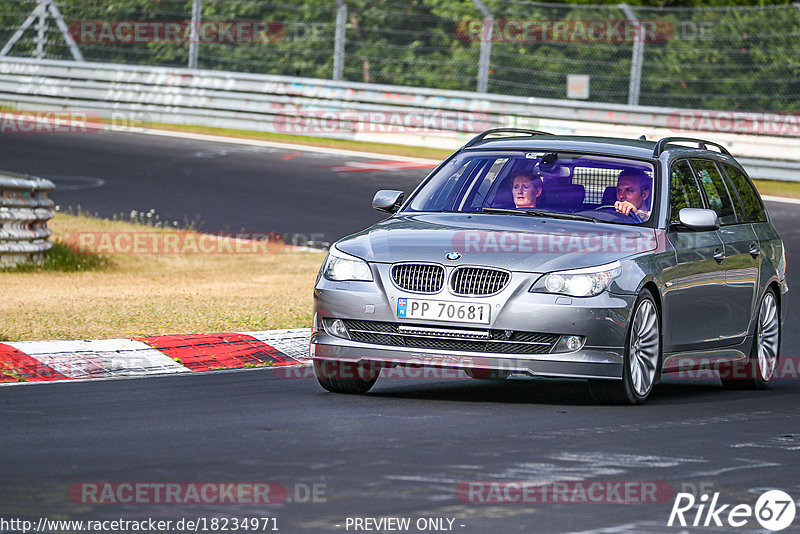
(453, 256)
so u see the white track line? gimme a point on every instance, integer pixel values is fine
(287, 146)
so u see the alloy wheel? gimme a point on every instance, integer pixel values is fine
(644, 347)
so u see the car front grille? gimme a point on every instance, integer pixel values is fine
(427, 337)
(418, 277)
(473, 281)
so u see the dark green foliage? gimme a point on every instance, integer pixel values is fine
(740, 58)
(62, 259)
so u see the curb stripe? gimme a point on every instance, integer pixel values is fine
(99, 358)
(210, 352)
(292, 342)
(16, 366)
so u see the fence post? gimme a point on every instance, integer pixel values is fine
(62, 26)
(637, 58)
(194, 44)
(486, 46)
(41, 25)
(40, 13)
(338, 40)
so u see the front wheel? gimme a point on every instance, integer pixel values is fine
(345, 377)
(758, 370)
(642, 361)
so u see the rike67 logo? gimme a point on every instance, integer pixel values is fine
(774, 510)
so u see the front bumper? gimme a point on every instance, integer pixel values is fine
(602, 320)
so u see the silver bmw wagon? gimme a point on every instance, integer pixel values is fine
(525, 253)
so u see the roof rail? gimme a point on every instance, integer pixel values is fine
(481, 136)
(701, 144)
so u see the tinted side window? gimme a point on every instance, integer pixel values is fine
(752, 208)
(716, 192)
(442, 199)
(683, 191)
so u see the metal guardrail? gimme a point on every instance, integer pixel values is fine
(358, 111)
(25, 209)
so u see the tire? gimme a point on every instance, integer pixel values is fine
(641, 369)
(759, 368)
(345, 377)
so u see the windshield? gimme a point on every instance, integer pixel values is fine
(580, 186)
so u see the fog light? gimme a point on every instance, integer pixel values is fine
(338, 329)
(569, 344)
(574, 343)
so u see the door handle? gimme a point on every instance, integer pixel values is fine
(754, 250)
(719, 255)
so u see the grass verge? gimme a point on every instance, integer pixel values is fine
(778, 189)
(61, 258)
(90, 296)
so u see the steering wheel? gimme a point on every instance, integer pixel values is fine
(610, 207)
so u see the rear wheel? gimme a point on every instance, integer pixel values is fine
(642, 361)
(758, 370)
(345, 377)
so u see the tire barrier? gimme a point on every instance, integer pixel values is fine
(25, 208)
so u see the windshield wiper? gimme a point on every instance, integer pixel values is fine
(542, 213)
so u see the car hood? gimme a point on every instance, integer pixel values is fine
(513, 242)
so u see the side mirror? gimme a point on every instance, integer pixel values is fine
(388, 200)
(698, 220)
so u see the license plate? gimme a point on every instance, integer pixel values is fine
(460, 312)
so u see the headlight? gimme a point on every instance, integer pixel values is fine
(579, 282)
(339, 267)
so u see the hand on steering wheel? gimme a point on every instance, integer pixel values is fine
(632, 213)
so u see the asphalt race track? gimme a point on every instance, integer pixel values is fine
(401, 451)
(214, 186)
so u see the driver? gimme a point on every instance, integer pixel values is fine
(633, 193)
(526, 188)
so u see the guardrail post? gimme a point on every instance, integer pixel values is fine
(486, 46)
(338, 40)
(194, 44)
(637, 58)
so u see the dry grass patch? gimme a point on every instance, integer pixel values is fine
(148, 294)
(778, 189)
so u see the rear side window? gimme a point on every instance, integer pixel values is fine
(715, 190)
(752, 208)
(683, 192)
